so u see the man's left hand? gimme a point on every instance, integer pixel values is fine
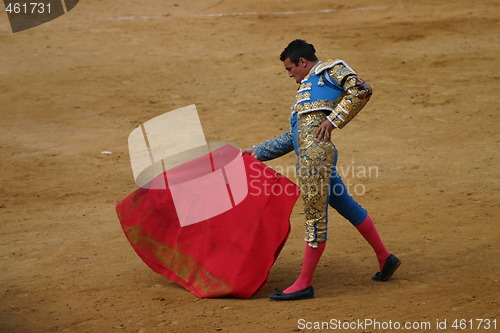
(324, 132)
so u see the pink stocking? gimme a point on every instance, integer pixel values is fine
(370, 233)
(311, 259)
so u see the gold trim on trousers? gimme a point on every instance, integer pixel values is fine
(314, 167)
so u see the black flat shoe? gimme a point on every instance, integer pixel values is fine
(391, 264)
(298, 295)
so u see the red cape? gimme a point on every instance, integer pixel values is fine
(229, 254)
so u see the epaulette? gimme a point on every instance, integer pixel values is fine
(330, 63)
(338, 70)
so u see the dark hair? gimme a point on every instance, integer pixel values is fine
(299, 49)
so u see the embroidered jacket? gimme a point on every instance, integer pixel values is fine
(332, 87)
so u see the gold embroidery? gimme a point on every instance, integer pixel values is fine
(339, 71)
(304, 96)
(305, 86)
(358, 93)
(325, 104)
(184, 266)
(325, 65)
(314, 166)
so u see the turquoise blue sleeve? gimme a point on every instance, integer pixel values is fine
(275, 148)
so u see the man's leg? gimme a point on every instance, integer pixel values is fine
(313, 176)
(368, 230)
(311, 260)
(314, 165)
(342, 201)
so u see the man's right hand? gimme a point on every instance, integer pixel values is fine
(249, 151)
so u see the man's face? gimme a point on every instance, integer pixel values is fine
(298, 72)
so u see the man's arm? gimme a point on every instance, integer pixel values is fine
(273, 148)
(357, 94)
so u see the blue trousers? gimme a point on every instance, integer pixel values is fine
(338, 196)
(340, 199)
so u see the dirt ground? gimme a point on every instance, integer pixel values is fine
(77, 86)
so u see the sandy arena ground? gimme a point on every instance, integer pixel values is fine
(77, 86)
